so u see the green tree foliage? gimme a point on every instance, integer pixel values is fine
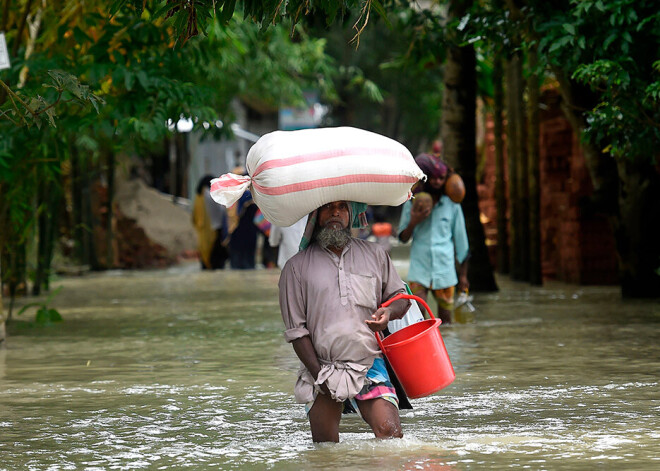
(27, 111)
(612, 47)
(158, 59)
(604, 57)
(386, 84)
(90, 79)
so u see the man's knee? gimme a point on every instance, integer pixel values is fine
(388, 428)
(383, 417)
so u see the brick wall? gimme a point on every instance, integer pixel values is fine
(574, 248)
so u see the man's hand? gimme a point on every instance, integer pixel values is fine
(324, 389)
(380, 319)
(419, 213)
(305, 351)
(463, 284)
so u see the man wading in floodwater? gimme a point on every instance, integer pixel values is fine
(330, 294)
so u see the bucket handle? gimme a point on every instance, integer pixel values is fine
(396, 298)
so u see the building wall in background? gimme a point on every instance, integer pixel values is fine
(575, 247)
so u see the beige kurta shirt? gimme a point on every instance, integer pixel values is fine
(328, 297)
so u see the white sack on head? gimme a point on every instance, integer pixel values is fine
(294, 172)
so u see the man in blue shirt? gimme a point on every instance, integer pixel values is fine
(439, 240)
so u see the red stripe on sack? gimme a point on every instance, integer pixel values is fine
(329, 182)
(226, 183)
(328, 154)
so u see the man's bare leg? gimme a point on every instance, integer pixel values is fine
(441, 313)
(324, 418)
(444, 307)
(444, 315)
(382, 416)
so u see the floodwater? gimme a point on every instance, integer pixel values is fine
(180, 369)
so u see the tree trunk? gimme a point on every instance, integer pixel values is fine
(602, 170)
(13, 266)
(459, 137)
(638, 232)
(521, 272)
(628, 191)
(172, 151)
(51, 197)
(5, 17)
(3, 207)
(533, 156)
(12, 251)
(512, 86)
(82, 209)
(109, 234)
(3, 332)
(76, 199)
(42, 234)
(55, 209)
(89, 219)
(500, 182)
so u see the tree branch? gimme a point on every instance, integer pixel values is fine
(366, 9)
(18, 98)
(59, 97)
(17, 40)
(5, 16)
(16, 107)
(5, 114)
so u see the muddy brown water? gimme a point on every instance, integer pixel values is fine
(182, 369)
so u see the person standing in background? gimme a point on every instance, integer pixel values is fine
(268, 252)
(210, 222)
(202, 223)
(287, 239)
(439, 239)
(243, 239)
(218, 218)
(242, 230)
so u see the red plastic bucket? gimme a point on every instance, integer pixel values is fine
(418, 355)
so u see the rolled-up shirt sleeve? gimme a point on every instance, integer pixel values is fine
(292, 304)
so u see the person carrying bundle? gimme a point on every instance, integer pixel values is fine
(439, 239)
(330, 294)
(330, 291)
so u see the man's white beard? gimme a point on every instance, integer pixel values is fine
(329, 237)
